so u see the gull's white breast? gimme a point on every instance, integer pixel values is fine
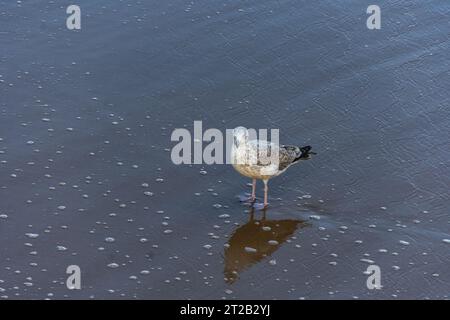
(256, 159)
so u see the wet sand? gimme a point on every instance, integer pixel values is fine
(85, 170)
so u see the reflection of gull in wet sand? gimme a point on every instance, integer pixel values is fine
(254, 241)
(260, 159)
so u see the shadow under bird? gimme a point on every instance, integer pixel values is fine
(263, 237)
(263, 160)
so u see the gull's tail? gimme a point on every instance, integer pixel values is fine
(305, 153)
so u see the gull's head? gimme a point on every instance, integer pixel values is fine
(240, 136)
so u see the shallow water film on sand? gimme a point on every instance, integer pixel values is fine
(91, 205)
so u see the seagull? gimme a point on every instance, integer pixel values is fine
(263, 160)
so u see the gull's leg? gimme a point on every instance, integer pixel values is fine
(254, 190)
(266, 191)
(252, 198)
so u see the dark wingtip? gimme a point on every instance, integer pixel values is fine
(305, 153)
(305, 149)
